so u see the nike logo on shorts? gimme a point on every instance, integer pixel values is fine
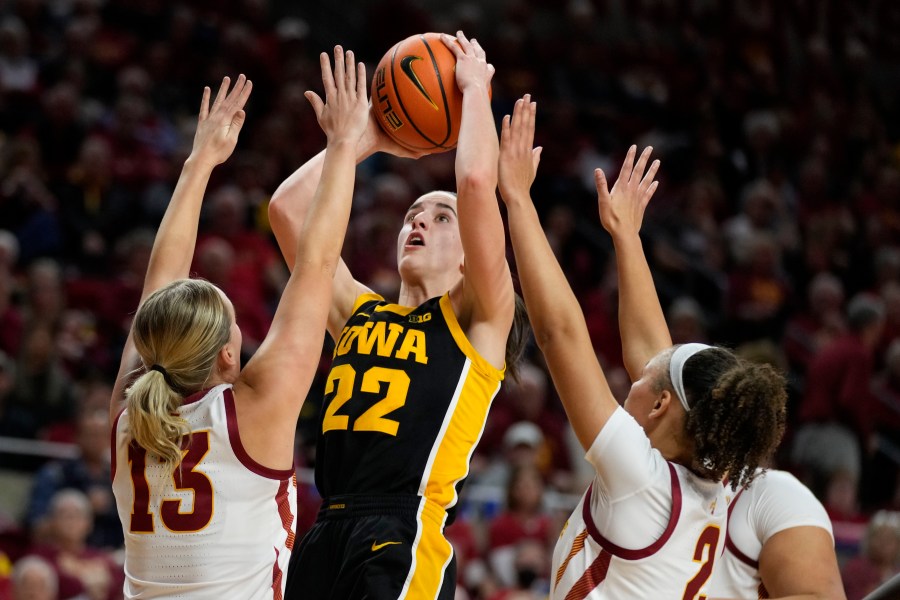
(376, 546)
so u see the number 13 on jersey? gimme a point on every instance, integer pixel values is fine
(185, 477)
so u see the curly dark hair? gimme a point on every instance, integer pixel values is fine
(737, 414)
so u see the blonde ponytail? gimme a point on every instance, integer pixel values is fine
(153, 418)
(179, 330)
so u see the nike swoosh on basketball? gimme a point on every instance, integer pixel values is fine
(406, 66)
(376, 547)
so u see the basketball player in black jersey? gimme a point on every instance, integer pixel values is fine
(412, 381)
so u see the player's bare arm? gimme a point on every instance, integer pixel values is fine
(487, 300)
(286, 360)
(218, 127)
(641, 321)
(554, 311)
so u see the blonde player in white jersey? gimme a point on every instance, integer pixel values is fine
(203, 451)
(652, 523)
(779, 544)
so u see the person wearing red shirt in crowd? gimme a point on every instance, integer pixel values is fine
(84, 572)
(822, 320)
(528, 400)
(878, 556)
(523, 517)
(836, 411)
(886, 389)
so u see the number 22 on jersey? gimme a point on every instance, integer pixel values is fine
(343, 378)
(185, 476)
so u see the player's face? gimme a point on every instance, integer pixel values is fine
(429, 241)
(643, 395)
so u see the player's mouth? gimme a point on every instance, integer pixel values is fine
(415, 239)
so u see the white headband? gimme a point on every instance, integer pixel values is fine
(676, 367)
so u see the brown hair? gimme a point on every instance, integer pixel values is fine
(517, 340)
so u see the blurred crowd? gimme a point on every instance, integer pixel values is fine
(775, 230)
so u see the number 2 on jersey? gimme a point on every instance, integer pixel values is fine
(706, 543)
(343, 377)
(185, 477)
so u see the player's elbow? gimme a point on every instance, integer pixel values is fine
(479, 180)
(553, 333)
(276, 210)
(318, 259)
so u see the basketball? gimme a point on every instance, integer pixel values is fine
(414, 94)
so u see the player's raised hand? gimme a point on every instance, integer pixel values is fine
(519, 158)
(472, 68)
(218, 125)
(622, 208)
(344, 113)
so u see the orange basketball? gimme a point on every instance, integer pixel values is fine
(414, 94)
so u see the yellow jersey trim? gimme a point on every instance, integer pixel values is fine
(397, 309)
(462, 341)
(362, 299)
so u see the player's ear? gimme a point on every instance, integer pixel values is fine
(661, 405)
(227, 357)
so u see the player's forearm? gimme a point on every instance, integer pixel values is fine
(322, 234)
(559, 326)
(290, 203)
(480, 223)
(642, 324)
(553, 308)
(478, 148)
(173, 248)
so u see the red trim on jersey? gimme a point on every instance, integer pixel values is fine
(112, 445)
(625, 553)
(277, 576)
(754, 564)
(196, 396)
(235, 437)
(592, 577)
(763, 593)
(282, 499)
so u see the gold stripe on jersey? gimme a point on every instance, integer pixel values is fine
(431, 555)
(461, 431)
(577, 546)
(397, 309)
(362, 299)
(463, 342)
(464, 421)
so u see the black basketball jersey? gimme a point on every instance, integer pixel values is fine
(405, 403)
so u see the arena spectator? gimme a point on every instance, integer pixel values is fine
(89, 473)
(878, 557)
(836, 413)
(83, 571)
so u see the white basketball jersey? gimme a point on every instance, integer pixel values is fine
(774, 502)
(219, 526)
(677, 565)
